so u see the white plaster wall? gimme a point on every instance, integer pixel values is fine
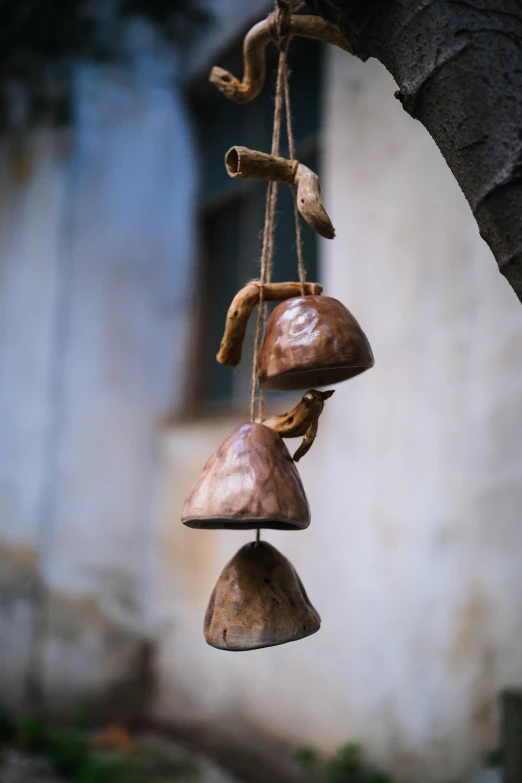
(413, 555)
(129, 293)
(96, 290)
(30, 231)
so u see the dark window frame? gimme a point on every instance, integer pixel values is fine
(251, 195)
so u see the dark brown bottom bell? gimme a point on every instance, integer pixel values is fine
(310, 379)
(228, 523)
(258, 601)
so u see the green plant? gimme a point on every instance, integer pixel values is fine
(379, 777)
(345, 766)
(307, 755)
(31, 735)
(74, 757)
(67, 750)
(492, 758)
(92, 771)
(80, 719)
(7, 728)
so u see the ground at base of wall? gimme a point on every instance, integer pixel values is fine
(20, 767)
(147, 760)
(37, 750)
(488, 776)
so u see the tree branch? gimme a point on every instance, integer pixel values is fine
(458, 65)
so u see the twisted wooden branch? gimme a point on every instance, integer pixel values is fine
(250, 164)
(254, 54)
(241, 308)
(303, 420)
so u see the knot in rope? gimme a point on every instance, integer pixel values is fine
(281, 24)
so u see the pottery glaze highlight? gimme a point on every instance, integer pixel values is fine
(250, 482)
(311, 341)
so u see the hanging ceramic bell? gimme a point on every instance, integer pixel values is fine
(311, 341)
(258, 601)
(249, 482)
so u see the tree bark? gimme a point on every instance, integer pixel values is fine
(512, 736)
(458, 65)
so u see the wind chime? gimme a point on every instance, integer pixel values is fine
(251, 482)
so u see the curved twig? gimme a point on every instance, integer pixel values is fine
(295, 423)
(308, 440)
(303, 420)
(254, 59)
(249, 164)
(241, 308)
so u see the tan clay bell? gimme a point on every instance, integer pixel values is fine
(250, 482)
(258, 601)
(311, 341)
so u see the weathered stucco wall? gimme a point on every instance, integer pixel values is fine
(413, 556)
(95, 292)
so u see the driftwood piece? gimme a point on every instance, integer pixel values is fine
(303, 420)
(250, 164)
(249, 482)
(329, 346)
(254, 46)
(308, 440)
(241, 308)
(258, 601)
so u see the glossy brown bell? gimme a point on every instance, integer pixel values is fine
(251, 481)
(311, 341)
(258, 601)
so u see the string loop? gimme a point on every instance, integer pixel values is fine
(282, 24)
(281, 32)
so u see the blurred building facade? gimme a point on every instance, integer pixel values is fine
(119, 255)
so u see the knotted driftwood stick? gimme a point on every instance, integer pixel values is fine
(254, 54)
(241, 308)
(308, 440)
(295, 423)
(250, 164)
(303, 420)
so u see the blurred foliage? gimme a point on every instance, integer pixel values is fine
(346, 766)
(7, 729)
(492, 758)
(80, 719)
(74, 754)
(76, 758)
(308, 756)
(49, 31)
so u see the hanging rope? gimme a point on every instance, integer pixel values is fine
(281, 33)
(267, 252)
(282, 36)
(291, 151)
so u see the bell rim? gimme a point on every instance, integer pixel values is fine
(354, 369)
(265, 523)
(264, 646)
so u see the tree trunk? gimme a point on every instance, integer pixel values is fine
(458, 65)
(512, 736)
